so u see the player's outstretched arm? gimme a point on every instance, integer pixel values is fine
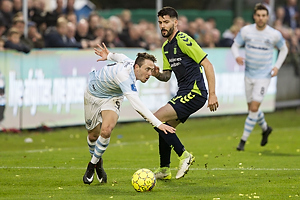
(103, 52)
(210, 76)
(147, 114)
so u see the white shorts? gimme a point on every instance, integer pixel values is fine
(94, 105)
(256, 89)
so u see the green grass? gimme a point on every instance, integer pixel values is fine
(52, 166)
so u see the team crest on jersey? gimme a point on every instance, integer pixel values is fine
(268, 42)
(133, 87)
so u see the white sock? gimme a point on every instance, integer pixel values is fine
(91, 145)
(261, 121)
(101, 145)
(249, 124)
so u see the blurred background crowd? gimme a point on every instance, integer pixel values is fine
(62, 26)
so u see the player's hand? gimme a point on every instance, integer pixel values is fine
(166, 128)
(213, 103)
(103, 52)
(240, 60)
(155, 71)
(274, 71)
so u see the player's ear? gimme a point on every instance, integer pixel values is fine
(175, 22)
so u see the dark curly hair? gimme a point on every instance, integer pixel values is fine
(260, 6)
(141, 57)
(168, 11)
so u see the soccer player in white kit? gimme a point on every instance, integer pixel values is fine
(259, 40)
(103, 98)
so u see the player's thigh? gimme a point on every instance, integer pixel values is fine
(260, 89)
(248, 89)
(166, 113)
(174, 123)
(109, 121)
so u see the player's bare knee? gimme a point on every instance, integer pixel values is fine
(253, 108)
(93, 136)
(106, 131)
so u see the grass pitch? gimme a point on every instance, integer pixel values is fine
(52, 166)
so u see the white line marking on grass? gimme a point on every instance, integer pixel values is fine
(191, 169)
(85, 147)
(248, 169)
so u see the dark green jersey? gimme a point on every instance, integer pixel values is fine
(183, 56)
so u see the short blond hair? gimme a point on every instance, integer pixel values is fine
(61, 21)
(12, 31)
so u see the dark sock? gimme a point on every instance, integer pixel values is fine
(172, 140)
(164, 152)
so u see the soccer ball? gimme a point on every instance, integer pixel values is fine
(143, 180)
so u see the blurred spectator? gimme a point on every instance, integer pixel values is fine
(183, 23)
(239, 22)
(120, 31)
(71, 32)
(295, 53)
(150, 38)
(200, 25)
(82, 34)
(116, 24)
(13, 41)
(111, 39)
(30, 7)
(39, 16)
(207, 40)
(59, 7)
(6, 14)
(82, 30)
(228, 36)
(279, 14)
(58, 37)
(99, 33)
(270, 10)
(2, 28)
(94, 21)
(291, 17)
(53, 15)
(212, 21)
(216, 34)
(71, 17)
(132, 38)
(35, 37)
(18, 15)
(19, 24)
(193, 30)
(126, 19)
(17, 6)
(71, 9)
(1, 44)
(71, 36)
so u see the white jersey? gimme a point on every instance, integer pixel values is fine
(113, 80)
(119, 79)
(259, 47)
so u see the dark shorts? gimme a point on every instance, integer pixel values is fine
(186, 104)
